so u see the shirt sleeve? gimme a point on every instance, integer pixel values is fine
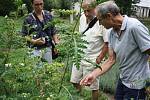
(142, 37)
(110, 45)
(105, 34)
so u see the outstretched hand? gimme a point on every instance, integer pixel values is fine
(88, 80)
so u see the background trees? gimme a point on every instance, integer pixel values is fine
(12, 5)
(7, 6)
(125, 5)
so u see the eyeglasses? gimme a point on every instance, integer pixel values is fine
(38, 4)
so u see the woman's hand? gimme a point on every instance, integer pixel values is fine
(38, 41)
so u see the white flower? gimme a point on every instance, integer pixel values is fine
(48, 98)
(51, 95)
(34, 26)
(6, 16)
(22, 64)
(8, 65)
(23, 5)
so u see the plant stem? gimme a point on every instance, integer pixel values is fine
(62, 79)
(68, 92)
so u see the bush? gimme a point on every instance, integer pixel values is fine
(28, 4)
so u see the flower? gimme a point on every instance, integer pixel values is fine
(8, 65)
(6, 16)
(22, 64)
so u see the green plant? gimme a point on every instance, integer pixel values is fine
(63, 12)
(20, 76)
(125, 6)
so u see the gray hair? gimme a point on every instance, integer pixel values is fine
(108, 7)
(88, 1)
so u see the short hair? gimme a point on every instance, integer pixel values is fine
(108, 7)
(33, 1)
(89, 3)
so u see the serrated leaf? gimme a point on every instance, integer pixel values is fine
(93, 63)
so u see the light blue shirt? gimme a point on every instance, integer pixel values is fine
(129, 48)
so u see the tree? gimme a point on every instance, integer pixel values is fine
(125, 6)
(65, 4)
(7, 6)
(28, 4)
(50, 4)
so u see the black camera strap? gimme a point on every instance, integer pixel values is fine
(91, 24)
(38, 20)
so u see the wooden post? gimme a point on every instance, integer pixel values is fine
(71, 15)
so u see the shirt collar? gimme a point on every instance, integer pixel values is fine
(34, 11)
(123, 26)
(124, 23)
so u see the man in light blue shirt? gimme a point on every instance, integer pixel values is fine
(129, 45)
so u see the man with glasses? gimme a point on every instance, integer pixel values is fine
(129, 45)
(34, 25)
(97, 47)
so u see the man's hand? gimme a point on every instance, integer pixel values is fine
(99, 59)
(88, 79)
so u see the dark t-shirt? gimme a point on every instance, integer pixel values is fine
(34, 28)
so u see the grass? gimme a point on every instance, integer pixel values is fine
(146, 22)
(109, 80)
(84, 95)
